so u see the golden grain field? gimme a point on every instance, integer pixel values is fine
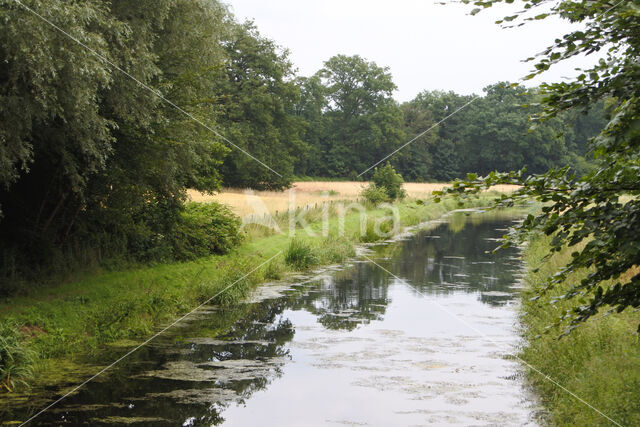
(302, 194)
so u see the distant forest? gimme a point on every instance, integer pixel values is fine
(351, 122)
(94, 153)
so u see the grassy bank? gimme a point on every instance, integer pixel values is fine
(53, 325)
(599, 361)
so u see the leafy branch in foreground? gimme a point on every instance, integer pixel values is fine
(598, 214)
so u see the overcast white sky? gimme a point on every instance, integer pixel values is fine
(426, 45)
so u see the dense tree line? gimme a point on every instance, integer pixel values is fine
(353, 122)
(111, 109)
(95, 157)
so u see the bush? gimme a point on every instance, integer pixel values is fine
(387, 179)
(274, 270)
(300, 255)
(374, 194)
(376, 232)
(16, 360)
(334, 249)
(205, 229)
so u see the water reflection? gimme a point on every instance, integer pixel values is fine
(456, 257)
(341, 302)
(198, 375)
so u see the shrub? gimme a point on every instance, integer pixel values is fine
(300, 255)
(335, 249)
(274, 270)
(374, 194)
(205, 229)
(387, 179)
(375, 232)
(16, 360)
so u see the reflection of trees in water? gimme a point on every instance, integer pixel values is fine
(155, 390)
(443, 260)
(347, 299)
(260, 336)
(256, 335)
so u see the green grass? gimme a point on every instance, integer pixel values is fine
(16, 359)
(599, 361)
(300, 255)
(83, 315)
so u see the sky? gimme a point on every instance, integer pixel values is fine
(427, 46)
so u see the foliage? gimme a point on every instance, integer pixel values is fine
(300, 255)
(334, 249)
(390, 181)
(258, 96)
(94, 166)
(15, 358)
(353, 119)
(489, 132)
(376, 230)
(205, 229)
(274, 270)
(374, 194)
(589, 210)
(416, 161)
(386, 186)
(600, 361)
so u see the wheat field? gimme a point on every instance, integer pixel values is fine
(303, 194)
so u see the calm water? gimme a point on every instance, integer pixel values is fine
(350, 346)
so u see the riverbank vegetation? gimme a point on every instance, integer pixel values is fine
(597, 214)
(585, 285)
(599, 361)
(100, 146)
(99, 243)
(83, 314)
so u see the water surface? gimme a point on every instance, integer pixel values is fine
(353, 345)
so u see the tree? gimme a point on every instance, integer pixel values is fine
(447, 147)
(390, 181)
(311, 110)
(258, 98)
(94, 164)
(415, 161)
(497, 135)
(588, 209)
(62, 110)
(363, 121)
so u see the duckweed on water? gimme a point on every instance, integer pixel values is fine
(87, 312)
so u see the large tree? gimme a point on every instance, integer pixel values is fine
(364, 122)
(600, 210)
(415, 161)
(497, 135)
(447, 149)
(95, 158)
(311, 110)
(258, 96)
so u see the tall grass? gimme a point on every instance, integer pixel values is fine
(599, 361)
(377, 230)
(300, 255)
(82, 315)
(312, 194)
(16, 359)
